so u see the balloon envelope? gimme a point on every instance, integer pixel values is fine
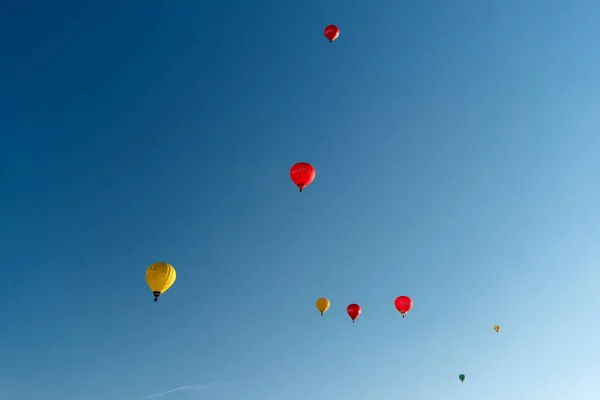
(497, 328)
(323, 305)
(332, 32)
(353, 311)
(160, 277)
(403, 304)
(302, 174)
(461, 377)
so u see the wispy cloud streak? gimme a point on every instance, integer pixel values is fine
(195, 388)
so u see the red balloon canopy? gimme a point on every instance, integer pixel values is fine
(403, 304)
(302, 174)
(354, 311)
(332, 32)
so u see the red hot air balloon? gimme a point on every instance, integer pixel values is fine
(354, 311)
(302, 174)
(332, 32)
(403, 304)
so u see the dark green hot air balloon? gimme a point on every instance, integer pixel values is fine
(461, 377)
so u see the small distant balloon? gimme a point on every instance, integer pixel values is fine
(302, 174)
(497, 328)
(323, 305)
(160, 277)
(461, 377)
(403, 304)
(332, 32)
(353, 311)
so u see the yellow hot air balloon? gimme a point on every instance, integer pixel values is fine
(323, 305)
(497, 328)
(160, 276)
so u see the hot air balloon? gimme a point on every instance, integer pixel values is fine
(332, 32)
(323, 305)
(461, 377)
(403, 304)
(353, 311)
(302, 174)
(160, 276)
(497, 328)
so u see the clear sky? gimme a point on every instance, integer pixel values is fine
(457, 154)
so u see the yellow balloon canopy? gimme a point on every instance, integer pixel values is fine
(497, 328)
(323, 305)
(160, 276)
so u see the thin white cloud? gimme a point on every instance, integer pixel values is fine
(195, 388)
(170, 391)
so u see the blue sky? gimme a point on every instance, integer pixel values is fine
(456, 148)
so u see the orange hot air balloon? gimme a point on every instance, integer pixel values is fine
(323, 304)
(403, 304)
(353, 311)
(332, 32)
(302, 174)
